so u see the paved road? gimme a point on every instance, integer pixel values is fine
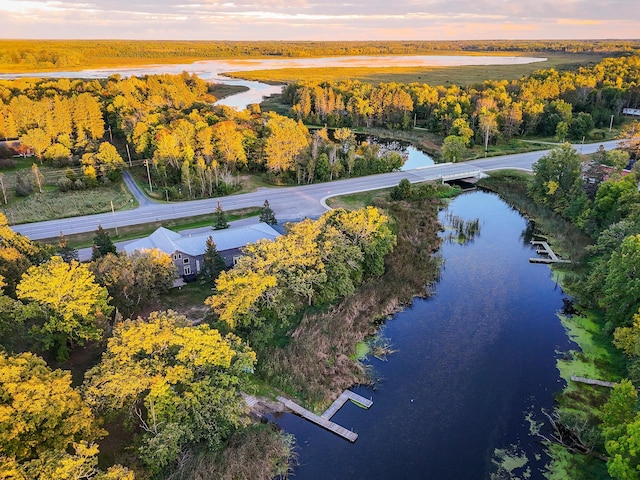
(288, 203)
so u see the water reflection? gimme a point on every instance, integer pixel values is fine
(472, 361)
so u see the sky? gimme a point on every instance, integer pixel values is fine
(320, 19)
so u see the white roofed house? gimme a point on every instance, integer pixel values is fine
(187, 250)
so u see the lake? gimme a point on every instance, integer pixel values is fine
(213, 70)
(472, 362)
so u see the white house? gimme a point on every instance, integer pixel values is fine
(187, 250)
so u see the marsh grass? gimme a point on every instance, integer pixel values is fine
(458, 75)
(258, 452)
(319, 361)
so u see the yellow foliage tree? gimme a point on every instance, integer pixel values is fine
(186, 387)
(72, 302)
(237, 295)
(39, 409)
(287, 138)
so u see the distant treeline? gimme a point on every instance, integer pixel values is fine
(51, 54)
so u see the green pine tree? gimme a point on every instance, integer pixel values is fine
(102, 244)
(267, 215)
(212, 262)
(220, 219)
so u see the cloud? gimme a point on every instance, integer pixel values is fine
(317, 19)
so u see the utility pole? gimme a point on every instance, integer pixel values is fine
(113, 213)
(611, 123)
(129, 155)
(486, 141)
(146, 163)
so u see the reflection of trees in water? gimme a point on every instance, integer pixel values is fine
(529, 233)
(459, 230)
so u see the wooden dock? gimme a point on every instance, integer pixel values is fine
(342, 399)
(324, 419)
(545, 249)
(591, 381)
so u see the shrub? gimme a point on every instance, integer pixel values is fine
(7, 162)
(24, 187)
(64, 184)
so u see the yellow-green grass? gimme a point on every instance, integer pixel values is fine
(355, 201)
(459, 75)
(53, 204)
(222, 90)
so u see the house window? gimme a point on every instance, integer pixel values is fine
(185, 261)
(187, 270)
(177, 256)
(236, 258)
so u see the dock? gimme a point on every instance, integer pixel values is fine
(342, 399)
(545, 249)
(324, 420)
(591, 381)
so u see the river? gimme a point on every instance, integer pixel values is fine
(213, 70)
(472, 362)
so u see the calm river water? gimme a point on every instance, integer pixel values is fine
(472, 361)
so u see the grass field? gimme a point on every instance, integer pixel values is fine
(464, 75)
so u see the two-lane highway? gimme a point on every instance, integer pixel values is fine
(289, 203)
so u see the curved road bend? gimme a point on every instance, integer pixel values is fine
(289, 203)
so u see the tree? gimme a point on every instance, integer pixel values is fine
(267, 215)
(102, 244)
(624, 457)
(621, 290)
(581, 125)
(631, 134)
(229, 143)
(66, 252)
(187, 383)
(614, 200)
(219, 218)
(39, 409)
(37, 140)
(454, 148)
(72, 303)
(38, 178)
(287, 139)
(17, 254)
(557, 181)
(402, 191)
(107, 162)
(135, 280)
(212, 262)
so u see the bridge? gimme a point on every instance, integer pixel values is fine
(469, 175)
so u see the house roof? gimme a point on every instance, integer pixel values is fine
(195, 244)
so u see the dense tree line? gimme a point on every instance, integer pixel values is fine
(75, 53)
(547, 103)
(315, 263)
(596, 195)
